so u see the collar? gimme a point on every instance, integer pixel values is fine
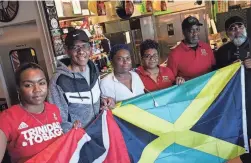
(245, 44)
(143, 72)
(114, 77)
(186, 48)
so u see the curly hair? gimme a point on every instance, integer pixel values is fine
(116, 48)
(148, 44)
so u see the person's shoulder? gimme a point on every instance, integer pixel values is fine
(165, 69)
(177, 52)
(107, 78)
(205, 45)
(226, 46)
(50, 106)
(12, 112)
(177, 49)
(140, 71)
(134, 73)
(223, 50)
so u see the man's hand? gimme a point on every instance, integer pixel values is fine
(247, 63)
(180, 80)
(77, 124)
(238, 60)
(107, 103)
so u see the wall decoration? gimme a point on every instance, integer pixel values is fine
(8, 10)
(149, 6)
(101, 8)
(53, 26)
(125, 9)
(170, 30)
(76, 7)
(163, 5)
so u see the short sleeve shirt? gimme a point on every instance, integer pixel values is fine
(165, 78)
(27, 133)
(111, 87)
(189, 63)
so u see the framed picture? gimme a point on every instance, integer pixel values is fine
(101, 8)
(170, 30)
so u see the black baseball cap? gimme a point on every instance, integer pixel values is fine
(233, 20)
(189, 22)
(76, 35)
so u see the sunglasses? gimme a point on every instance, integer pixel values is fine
(236, 26)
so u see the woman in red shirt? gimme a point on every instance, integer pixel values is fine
(29, 127)
(154, 77)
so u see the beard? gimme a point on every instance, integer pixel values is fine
(239, 40)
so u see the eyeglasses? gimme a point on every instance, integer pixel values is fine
(150, 57)
(83, 47)
(235, 27)
(194, 30)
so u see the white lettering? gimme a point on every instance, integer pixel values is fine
(58, 132)
(45, 137)
(40, 134)
(41, 130)
(38, 138)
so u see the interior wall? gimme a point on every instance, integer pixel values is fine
(26, 12)
(28, 29)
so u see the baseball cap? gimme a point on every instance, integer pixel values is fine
(233, 20)
(189, 22)
(75, 35)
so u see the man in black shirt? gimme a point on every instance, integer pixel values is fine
(238, 49)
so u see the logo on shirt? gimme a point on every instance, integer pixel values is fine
(75, 35)
(41, 134)
(165, 79)
(203, 52)
(55, 116)
(22, 126)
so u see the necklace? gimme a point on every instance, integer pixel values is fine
(34, 116)
(153, 75)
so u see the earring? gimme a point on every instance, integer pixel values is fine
(18, 97)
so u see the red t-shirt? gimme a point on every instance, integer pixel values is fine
(188, 63)
(26, 136)
(165, 78)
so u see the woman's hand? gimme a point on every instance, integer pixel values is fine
(107, 103)
(180, 80)
(77, 124)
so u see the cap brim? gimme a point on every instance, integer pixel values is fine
(233, 24)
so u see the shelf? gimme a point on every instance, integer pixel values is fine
(73, 18)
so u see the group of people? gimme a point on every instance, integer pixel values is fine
(76, 94)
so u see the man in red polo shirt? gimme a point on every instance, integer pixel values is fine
(153, 76)
(192, 58)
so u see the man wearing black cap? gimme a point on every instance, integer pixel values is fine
(74, 88)
(192, 57)
(237, 49)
